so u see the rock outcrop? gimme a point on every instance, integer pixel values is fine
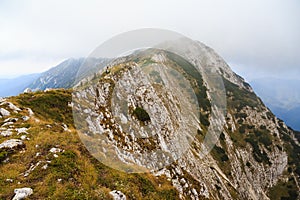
(12, 144)
(117, 195)
(247, 161)
(4, 112)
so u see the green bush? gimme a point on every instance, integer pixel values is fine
(220, 154)
(141, 114)
(242, 128)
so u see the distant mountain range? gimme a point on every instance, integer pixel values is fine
(282, 97)
(12, 87)
(64, 75)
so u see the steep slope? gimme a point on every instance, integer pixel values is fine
(256, 157)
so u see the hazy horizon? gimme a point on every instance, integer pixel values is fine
(257, 38)
(237, 70)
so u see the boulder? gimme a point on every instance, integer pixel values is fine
(117, 195)
(23, 137)
(27, 90)
(11, 120)
(4, 112)
(65, 127)
(22, 193)
(22, 130)
(55, 150)
(7, 124)
(30, 112)
(25, 118)
(12, 144)
(13, 107)
(6, 133)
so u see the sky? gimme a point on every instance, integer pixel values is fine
(257, 38)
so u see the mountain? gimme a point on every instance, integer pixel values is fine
(64, 75)
(11, 87)
(282, 97)
(47, 142)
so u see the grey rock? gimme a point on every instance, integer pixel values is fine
(6, 133)
(30, 112)
(22, 193)
(13, 107)
(11, 144)
(25, 118)
(55, 150)
(117, 195)
(21, 130)
(4, 112)
(27, 90)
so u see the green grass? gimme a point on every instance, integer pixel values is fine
(51, 105)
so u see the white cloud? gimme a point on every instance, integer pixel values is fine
(36, 34)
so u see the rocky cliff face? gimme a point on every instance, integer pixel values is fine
(252, 159)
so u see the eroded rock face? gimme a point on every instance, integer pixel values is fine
(173, 121)
(247, 160)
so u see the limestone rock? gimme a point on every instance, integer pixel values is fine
(55, 150)
(12, 144)
(27, 90)
(25, 118)
(6, 133)
(22, 130)
(30, 112)
(13, 107)
(22, 193)
(117, 195)
(4, 112)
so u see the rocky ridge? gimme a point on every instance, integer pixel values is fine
(256, 156)
(248, 161)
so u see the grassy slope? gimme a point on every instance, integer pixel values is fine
(83, 177)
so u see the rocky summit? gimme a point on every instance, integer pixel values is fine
(135, 107)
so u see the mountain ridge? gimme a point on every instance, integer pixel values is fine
(256, 156)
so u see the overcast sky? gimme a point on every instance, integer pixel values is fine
(257, 38)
